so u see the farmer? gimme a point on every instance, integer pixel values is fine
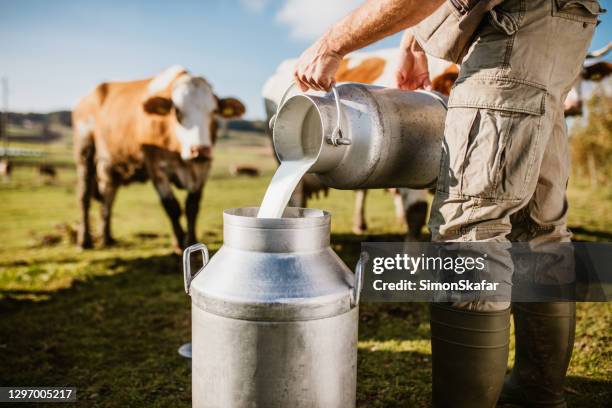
(504, 168)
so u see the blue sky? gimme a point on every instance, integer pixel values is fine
(53, 52)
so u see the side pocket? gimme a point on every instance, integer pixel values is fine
(500, 156)
(522, 149)
(480, 166)
(586, 11)
(499, 93)
(459, 125)
(503, 21)
(503, 140)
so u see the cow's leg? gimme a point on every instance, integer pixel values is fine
(108, 198)
(172, 208)
(86, 179)
(416, 218)
(398, 205)
(192, 207)
(84, 195)
(359, 223)
(108, 190)
(161, 182)
(298, 198)
(415, 210)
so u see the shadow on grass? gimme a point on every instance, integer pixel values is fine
(115, 337)
(393, 379)
(393, 321)
(383, 321)
(587, 392)
(592, 235)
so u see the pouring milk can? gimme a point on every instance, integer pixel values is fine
(363, 136)
(274, 315)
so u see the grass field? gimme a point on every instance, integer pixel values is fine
(109, 321)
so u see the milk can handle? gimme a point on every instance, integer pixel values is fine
(336, 138)
(358, 286)
(282, 101)
(187, 276)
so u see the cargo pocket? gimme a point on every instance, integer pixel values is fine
(503, 21)
(458, 125)
(493, 151)
(585, 11)
(448, 32)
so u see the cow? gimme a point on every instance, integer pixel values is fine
(377, 68)
(594, 70)
(47, 171)
(248, 170)
(6, 168)
(161, 128)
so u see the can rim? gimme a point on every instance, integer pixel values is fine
(293, 217)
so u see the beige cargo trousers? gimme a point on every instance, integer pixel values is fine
(505, 161)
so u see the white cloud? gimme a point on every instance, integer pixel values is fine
(308, 19)
(255, 6)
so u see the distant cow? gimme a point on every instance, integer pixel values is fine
(6, 167)
(47, 171)
(244, 170)
(161, 128)
(594, 71)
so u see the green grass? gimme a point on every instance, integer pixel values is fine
(109, 321)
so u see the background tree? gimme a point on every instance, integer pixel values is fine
(592, 141)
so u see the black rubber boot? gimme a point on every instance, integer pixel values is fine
(469, 356)
(544, 335)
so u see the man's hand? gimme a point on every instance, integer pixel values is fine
(413, 71)
(370, 22)
(316, 68)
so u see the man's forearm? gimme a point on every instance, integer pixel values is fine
(375, 20)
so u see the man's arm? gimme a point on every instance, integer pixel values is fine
(372, 21)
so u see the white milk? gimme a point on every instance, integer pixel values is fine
(285, 180)
(291, 171)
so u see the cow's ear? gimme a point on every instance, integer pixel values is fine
(230, 108)
(157, 105)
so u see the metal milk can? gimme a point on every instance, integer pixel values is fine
(274, 315)
(363, 136)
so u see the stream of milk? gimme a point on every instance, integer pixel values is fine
(290, 172)
(285, 180)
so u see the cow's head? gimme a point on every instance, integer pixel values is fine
(594, 72)
(190, 99)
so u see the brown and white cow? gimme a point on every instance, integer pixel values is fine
(161, 128)
(377, 68)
